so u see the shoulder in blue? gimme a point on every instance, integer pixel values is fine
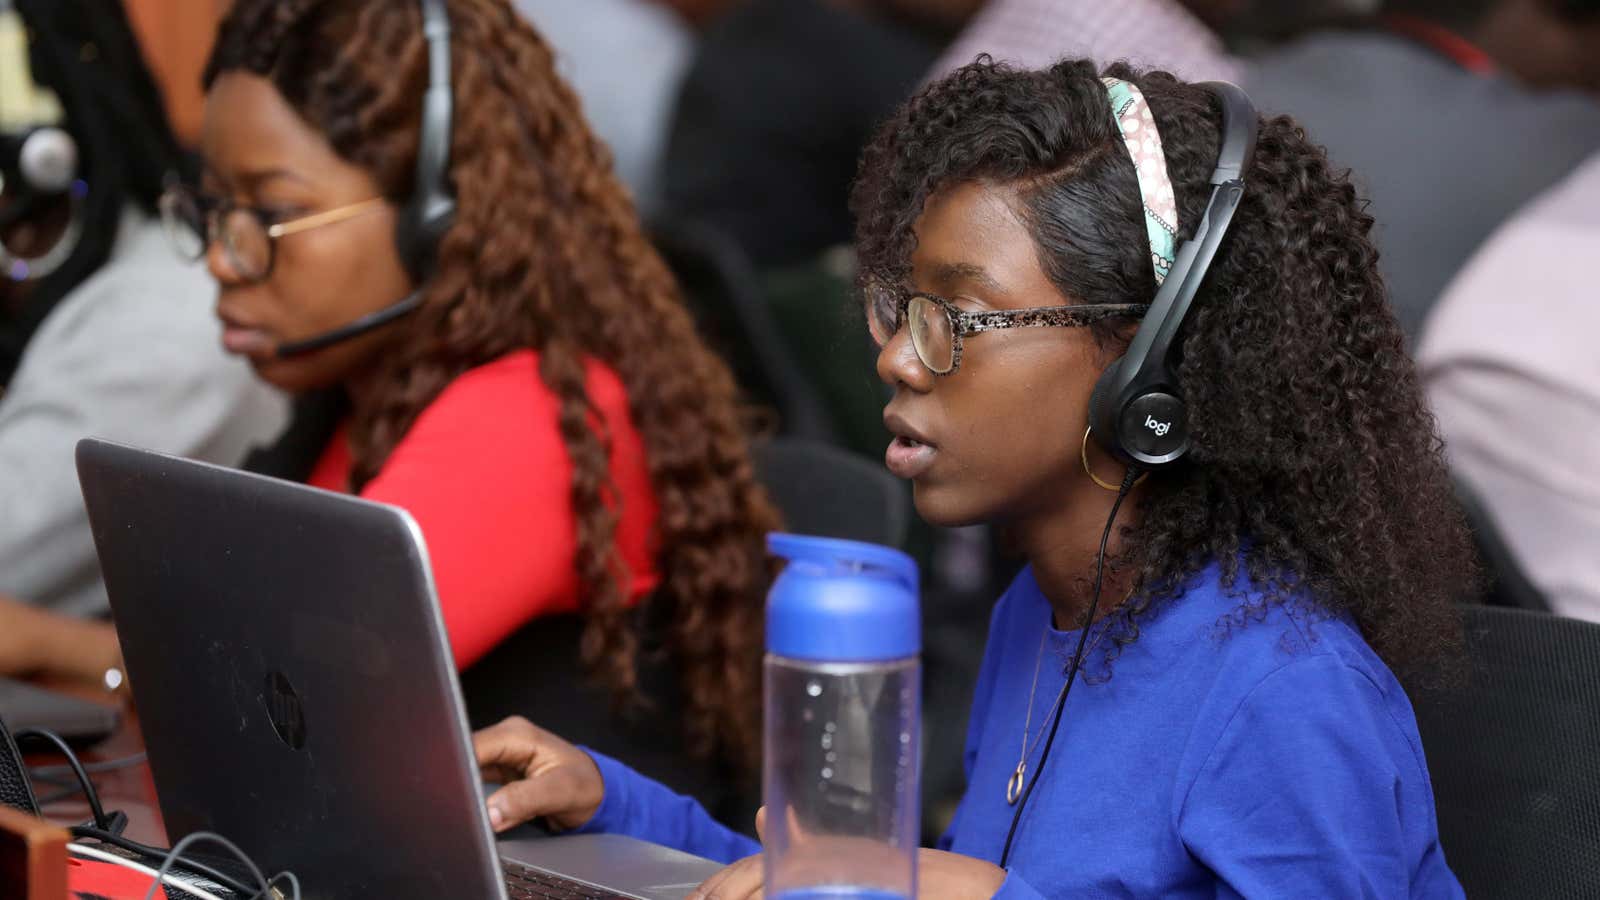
(1230, 750)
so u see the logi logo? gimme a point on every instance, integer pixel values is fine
(1160, 428)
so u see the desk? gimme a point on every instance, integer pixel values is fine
(130, 789)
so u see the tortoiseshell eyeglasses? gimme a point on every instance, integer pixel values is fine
(937, 326)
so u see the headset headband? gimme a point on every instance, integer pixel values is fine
(432, 206)
(1136, 411)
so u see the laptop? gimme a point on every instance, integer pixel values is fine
(79, 722)
(297, 693)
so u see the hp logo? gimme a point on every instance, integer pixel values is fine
(285, 711)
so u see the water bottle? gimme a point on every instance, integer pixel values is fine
(843, 687)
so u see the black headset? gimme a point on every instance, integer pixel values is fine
(432, 208)
(1136, 411)
(39, 161)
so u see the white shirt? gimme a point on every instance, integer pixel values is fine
(626, 60)
(133, 354)
(1511, 363)
(1034, 34)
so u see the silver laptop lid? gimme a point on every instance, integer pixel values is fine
(309, 711)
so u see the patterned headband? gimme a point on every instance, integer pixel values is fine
(1138, 127)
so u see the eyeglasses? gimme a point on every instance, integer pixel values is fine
(249, 235)
(937, 326)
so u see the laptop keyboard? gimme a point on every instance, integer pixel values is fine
(523, 883)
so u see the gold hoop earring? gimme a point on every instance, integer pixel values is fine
(1083, 454)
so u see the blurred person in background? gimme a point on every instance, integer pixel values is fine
(1238, 729)
(533, 391)
(779, 101)
(1452, 114)
(1509, 361)
(102, 331)
(625, 59)
(1432, 103)
(1175, 35)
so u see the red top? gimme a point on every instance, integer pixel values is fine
(1443, 41)
(486, 475)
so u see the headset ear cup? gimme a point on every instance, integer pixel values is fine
(418, 232)
(48, 160)
(1102, 418)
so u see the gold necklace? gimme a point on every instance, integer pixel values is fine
(1019, 778)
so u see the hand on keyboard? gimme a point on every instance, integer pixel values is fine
(542, 775)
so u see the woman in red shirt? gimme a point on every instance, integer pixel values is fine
(546, 413)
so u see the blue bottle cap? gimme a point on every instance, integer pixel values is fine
(842, 601)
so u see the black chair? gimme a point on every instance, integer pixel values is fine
(1514, 755)
(730, 309)
(1507, 584)
(826, 491)
(537, 672)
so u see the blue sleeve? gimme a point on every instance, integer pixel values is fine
(979, 714)
(1311, 790)
(638, 807)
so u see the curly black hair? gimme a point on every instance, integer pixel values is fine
(1315, 468)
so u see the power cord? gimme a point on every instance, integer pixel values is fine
(63, 779)
(116, 839)
(50, 773)
(108, 829)
(108, 857)
(1128, 479)
(89, 793)
(195, 837)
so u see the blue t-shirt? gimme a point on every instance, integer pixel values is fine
(1274, 756)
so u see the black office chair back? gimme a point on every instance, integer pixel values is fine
(538, 673)
(1515, 757)
(723, 291)
(827, 491)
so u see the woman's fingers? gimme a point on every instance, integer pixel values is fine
(509, 748)
(740, 881)
(542, 776)
(529, 798)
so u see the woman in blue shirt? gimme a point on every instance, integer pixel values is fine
(1237, 728)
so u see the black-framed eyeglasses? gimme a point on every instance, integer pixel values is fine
(249, 235)
(937, 326)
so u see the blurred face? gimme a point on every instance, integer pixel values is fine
(260, 154)
(998, 440)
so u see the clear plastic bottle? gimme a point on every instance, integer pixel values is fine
(843, 687)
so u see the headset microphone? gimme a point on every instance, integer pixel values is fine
(369, 322)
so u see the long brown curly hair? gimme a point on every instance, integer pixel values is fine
(546, 252)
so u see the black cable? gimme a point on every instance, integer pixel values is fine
(61, 792)
(89, 792)
(94, 768)
(158, 853)
(294, 882)
(1077, 661)
(173, 856)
